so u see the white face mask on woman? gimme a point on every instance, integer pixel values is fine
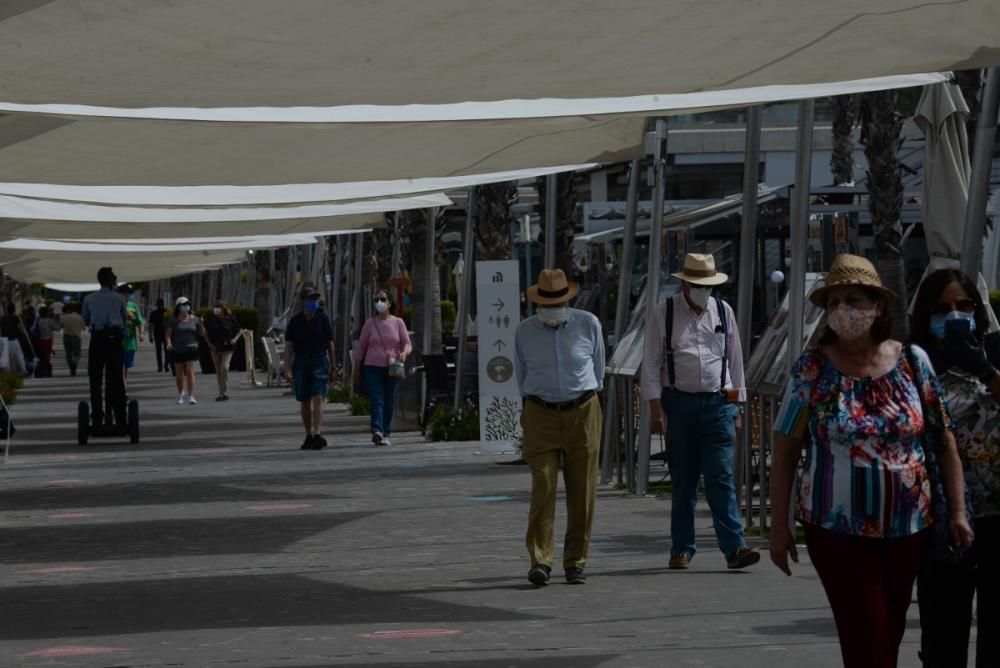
(217, 310)
(381, 305)
(850, 323)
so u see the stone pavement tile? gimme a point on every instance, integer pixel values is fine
(217, 542)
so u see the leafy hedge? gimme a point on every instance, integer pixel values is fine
(10, 383)
(447, 424)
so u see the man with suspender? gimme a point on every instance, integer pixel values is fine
(692, 376)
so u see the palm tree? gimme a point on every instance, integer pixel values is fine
(566, 218)
(264, 291)
(493, 240)
(845, 110)
(881, 134)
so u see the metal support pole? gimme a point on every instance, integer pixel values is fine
(396, 270)
(979, 185)
(744, 286)
(800, 230)
(429, 279)
(652, 289)
(611, 422)
(348, 301)
(630, 433)
(551, 187)
(338, 260)
(465, 295)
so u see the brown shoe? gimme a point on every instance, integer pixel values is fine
(680, 562)
(743, 557)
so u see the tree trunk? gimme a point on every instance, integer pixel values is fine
(566, 220)
(264, 294)
(420, 275)
(844, 120)
(493, 240)
(881, 134)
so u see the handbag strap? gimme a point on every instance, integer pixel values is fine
(379, 332)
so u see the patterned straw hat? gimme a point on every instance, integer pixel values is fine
(850, 270)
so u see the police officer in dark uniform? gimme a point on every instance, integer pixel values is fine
(104, 313)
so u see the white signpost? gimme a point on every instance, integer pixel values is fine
(498, 298)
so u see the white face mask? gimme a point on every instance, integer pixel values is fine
(851, 323)
(381, 307)
(700, 296)
(553, 315)
(217, 311)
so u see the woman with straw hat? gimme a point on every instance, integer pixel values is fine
(860, 404)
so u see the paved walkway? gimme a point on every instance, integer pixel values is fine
(217, 542)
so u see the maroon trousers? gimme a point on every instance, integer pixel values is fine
(869, 583)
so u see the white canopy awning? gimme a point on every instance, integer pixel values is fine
(325, 53)
(72, 267)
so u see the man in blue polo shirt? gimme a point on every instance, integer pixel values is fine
(560, 368)
(309, 355)
(104, 313)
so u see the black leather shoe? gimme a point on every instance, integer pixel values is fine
(309, 443)
(539, 575)
(318, 442)
(575, 576)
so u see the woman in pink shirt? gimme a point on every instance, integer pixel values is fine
(383, 341)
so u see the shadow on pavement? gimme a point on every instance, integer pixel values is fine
(540, 662)
(165, 538)
(119, 608)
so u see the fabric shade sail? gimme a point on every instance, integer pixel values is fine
(74, 267)
(255, 53)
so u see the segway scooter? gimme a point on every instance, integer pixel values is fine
(85, 430)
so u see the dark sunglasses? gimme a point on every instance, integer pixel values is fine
(381, 300)
(963, 305)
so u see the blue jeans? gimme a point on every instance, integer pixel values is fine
(701, 438)
(381, 389)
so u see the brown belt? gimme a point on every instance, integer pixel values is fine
(563, 405)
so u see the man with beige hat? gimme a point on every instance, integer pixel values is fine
(559, 361)
(692, 376)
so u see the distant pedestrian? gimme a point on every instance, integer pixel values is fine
(28, 315)
(42, 334)
(56, 311)
(104, 313)
(135, 328)
(308, 360)
(12, 329)
(157, 334)
(223, 332)
(559, 361)
(72, 327)
(182, 335)
(382, 349)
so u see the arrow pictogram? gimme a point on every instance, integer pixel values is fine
(499, 304)
(499, 345)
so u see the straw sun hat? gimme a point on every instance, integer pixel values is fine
(552, 288)
(850, 270)
(699, 269)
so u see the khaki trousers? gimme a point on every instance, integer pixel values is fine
(576, 435)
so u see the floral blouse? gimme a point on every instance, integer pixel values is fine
(864, 473)
(977, 431)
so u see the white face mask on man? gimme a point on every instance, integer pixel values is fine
(553, 316)
(699, 296)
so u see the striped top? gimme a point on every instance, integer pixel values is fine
(864, 473)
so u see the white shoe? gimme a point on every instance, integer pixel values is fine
(192, 400)
(180, 399)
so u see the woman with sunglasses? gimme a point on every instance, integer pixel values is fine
(949, 322)
(384, 345)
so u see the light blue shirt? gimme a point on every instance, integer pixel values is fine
(559, 363)
(104, 309)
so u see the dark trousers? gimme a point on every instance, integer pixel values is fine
(73, 349)
(944, 593)
(162, 358)
(869, 583)
(104, 365)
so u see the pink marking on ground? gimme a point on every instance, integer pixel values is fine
(53, 570)
(63, 482)
(410, 633)
(281, 506)
(69, 516)
(75, 650)
(210, 451)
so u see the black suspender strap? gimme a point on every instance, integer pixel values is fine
(668, 339)
(725, 337)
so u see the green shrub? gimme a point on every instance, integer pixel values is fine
(358, 405)
(8, 393)
(447, 424)
(448, 316)
(11, 380)
(339, 394)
